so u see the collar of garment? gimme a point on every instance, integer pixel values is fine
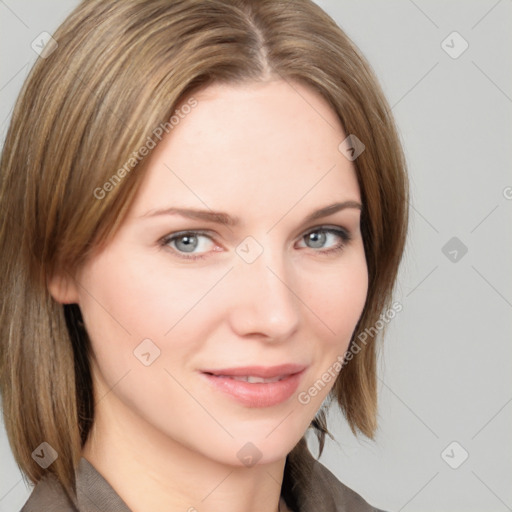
(307, 486)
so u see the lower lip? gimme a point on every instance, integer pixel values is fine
(261, 394)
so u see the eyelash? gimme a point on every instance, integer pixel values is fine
(342, 233)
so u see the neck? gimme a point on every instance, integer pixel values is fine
(151, 472)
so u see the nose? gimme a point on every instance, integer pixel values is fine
(263, 299)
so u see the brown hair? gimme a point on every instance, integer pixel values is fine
(119, 71)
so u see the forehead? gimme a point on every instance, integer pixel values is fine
(266, 145)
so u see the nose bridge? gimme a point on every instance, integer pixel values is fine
(264, 301)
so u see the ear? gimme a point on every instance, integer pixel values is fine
(63, 288)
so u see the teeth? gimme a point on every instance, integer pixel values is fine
(255, 380)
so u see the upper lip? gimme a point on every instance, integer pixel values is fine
(264, 372)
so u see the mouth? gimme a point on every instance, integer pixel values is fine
(252, 379)
(257, 374)
(257, 386)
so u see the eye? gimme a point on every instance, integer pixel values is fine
(193, 245)
(186, 242)
(318, 237)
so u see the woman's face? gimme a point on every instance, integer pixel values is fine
(173, 296)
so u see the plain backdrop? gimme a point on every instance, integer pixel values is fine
(445, 373)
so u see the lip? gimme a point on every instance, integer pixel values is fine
(262, 394)
(265, 372)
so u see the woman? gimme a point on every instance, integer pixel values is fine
(205, 208)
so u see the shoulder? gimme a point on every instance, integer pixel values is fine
(309, 486)
(49, 496)
(93, 493)
(342, 495)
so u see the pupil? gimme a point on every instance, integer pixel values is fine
(189, 245)
(317, 238)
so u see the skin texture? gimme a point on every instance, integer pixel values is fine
(163, 437)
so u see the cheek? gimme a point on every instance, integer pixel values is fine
(339, 305)
(138, 299)
(337, 297)
(125, 301)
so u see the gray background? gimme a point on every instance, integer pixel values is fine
(445, 372)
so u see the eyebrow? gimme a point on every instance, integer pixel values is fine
(227, 220)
